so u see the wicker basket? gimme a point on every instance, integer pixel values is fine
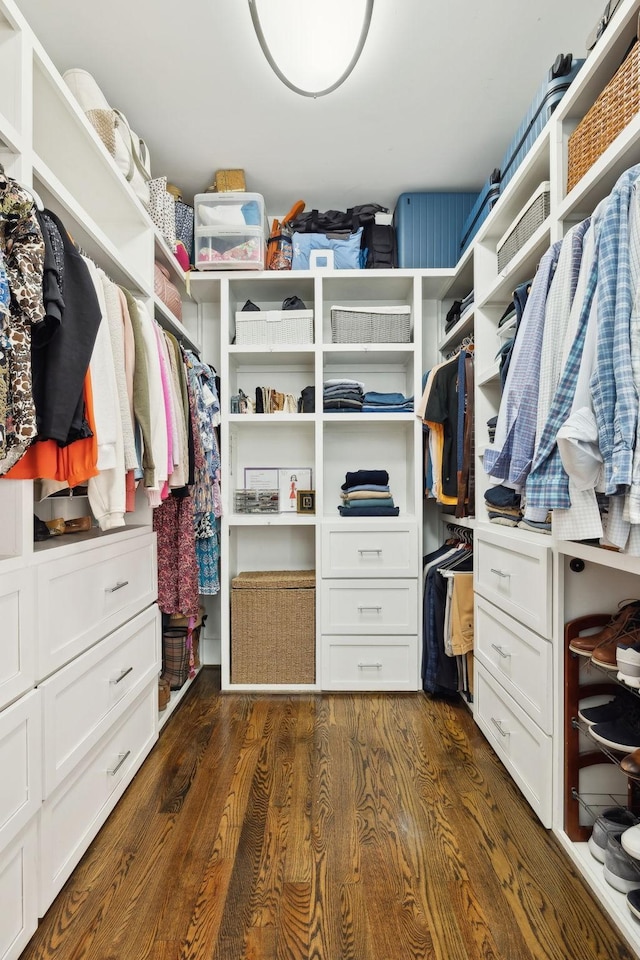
(525, 225)
(274, 326)
(371, 324)
(614, 109)
(273, 627)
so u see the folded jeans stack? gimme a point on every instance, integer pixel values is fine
(366, 493)
(503, 506)
(343, 396)
(375, 402)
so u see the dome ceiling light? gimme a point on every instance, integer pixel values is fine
(312, 45)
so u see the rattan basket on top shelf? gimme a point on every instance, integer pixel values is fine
(614, 109)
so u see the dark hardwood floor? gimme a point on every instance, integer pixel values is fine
(333, 827)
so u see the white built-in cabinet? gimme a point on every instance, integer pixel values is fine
(529, 585)
(79, 622)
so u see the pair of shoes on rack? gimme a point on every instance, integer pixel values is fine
(615, 842)
(623, 629)
(615, 724)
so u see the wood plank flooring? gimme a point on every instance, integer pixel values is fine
(328, 827)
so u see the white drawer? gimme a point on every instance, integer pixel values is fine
(369, 606)
(19, 892)
(518, 658)
(518, 741)
(85, 595)
(377, 550)
(370, 663)
(81, 701)
(20, 765)
(17, 606)
(516, 577)
(71, 817)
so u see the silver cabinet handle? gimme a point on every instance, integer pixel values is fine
(362, 665)
(362, 609)
(498, 725)
(500, 573)
(377, 550)
(122, 675)
(505, 656)
(121, 759)
(118, 586)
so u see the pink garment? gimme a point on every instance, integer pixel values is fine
(166, 393)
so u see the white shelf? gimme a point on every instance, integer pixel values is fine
(271, 520)
(9, 136)
(349, 351)
(369, 417)
(520, 268)
(613, 901)
(268, 355)
(466, 522)
(600, 555)
(460, 330)
(90, 237)
(489, 375)
(177, 696)
(507, 328)
(170, 322)
(272, 418)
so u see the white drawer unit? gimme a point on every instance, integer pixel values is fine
(20, 781)
(379, 550)
(516, 577)
(520, 744)
(85, 595)
(17, 664)
(369, 663)
(73, 814)
(19, 892)
(518, 658)
(81, 701)
(370, 606)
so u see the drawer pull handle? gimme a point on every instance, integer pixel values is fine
(505, 656)
(500, 573)
(121, 759)
(377, 550)
(362, 609)
(118, 586)
(498, 725)
(122, 675)
(362, 665)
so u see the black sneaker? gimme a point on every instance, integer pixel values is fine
(607, 712)
(633, 902)
(621, 734)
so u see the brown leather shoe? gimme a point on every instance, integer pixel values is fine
(631, 764)
(619, 623)
(604, 654)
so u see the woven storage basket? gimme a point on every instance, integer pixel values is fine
(614, 109)
(274, 326)
(273, 627)
(525, 225)
(371, 324)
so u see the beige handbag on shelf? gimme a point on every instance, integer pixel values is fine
(128, 150)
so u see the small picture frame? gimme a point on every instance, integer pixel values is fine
(306, 501)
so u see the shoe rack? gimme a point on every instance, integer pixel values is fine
(575, 732)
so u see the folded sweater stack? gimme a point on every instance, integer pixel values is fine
(366, 493)
(375, 402)
(343, 396)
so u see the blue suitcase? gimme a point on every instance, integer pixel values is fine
(428, 227)
(481, 209)
(549, 95)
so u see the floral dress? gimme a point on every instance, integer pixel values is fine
(21, 308)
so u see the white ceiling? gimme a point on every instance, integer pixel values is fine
(432, 105)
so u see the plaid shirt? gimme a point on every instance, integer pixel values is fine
(547, 484)
(510, 456)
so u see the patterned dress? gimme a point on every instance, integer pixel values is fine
(22, 249)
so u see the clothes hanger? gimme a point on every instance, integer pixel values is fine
(32, 193)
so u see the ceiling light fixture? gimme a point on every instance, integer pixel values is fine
(312, 46)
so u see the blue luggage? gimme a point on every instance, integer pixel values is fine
(480, 210)
(428, 227)
(549, 95)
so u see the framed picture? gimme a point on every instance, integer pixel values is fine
(292, 479)
(306, 501)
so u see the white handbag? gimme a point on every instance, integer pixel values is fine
(128, 150)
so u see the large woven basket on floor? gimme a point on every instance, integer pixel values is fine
(273, 626)
(614, 109)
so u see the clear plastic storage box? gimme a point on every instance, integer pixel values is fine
(230, 231)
